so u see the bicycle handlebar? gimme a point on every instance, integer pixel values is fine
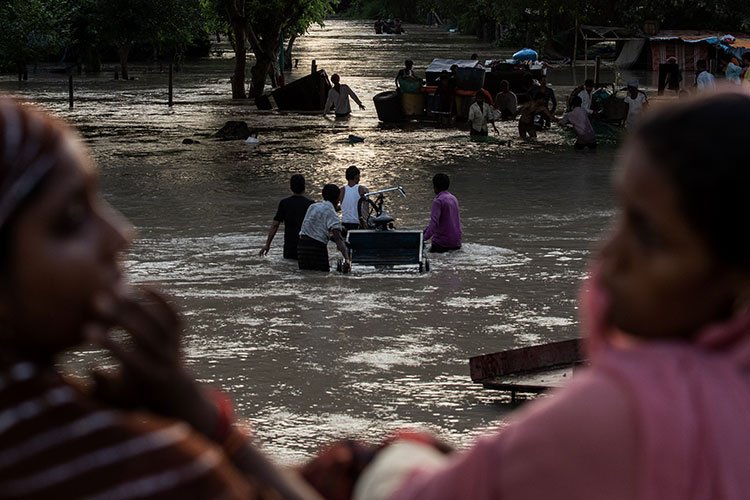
(401, 191)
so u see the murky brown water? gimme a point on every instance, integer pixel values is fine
(311, 357)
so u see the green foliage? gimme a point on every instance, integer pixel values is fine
(30, 30)
(540, 19)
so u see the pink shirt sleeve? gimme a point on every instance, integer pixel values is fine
(434, 218)
(578, 444)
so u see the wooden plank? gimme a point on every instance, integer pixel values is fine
(524, 359)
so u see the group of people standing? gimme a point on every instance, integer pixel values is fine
(309, 225)
(537, 113)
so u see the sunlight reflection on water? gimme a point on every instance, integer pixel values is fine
(309, 357)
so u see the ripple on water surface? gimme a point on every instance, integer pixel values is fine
(309, 357)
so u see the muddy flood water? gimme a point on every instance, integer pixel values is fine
(310, 357)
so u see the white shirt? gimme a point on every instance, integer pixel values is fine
(349, 204)
(480, 117)
(635, 106)
(705, 81)
(586, 100)
(319, 220)
(341, 100)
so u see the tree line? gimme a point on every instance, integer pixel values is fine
(81, 33)
(535, 22)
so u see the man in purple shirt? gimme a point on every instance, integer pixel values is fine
(445, 221)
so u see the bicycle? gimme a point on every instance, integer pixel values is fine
(372, 215)
(377, 243)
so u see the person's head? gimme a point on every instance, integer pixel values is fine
(408, 64)
(335, 79)
(352, 173)
(633, 88)
(474, 57)
(589, 85)
(700, 65)
(441, 182)
(746, 58)
(60, 240)
(679, 255)
(504, 86)
(454, 68)
(543, 81)
(576, 102)
(479, 97)
(297, 184)
(331, 193)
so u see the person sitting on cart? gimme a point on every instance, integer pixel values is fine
(349, 196)
(320, 222)
(444, 228)
(406, 72)
(506, 102)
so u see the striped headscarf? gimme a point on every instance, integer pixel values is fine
(30, 144)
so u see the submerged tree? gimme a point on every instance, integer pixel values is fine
(264, 25)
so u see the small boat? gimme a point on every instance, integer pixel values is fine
(309, 93)
(530, 370)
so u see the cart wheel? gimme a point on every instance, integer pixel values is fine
(340, 265)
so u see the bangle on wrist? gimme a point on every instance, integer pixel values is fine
(224, 415)
(226, 434)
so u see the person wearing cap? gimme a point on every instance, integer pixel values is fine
(636, 101)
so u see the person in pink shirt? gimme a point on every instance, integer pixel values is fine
(662, 410)
(445, 219)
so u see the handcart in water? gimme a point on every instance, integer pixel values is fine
(377, 243)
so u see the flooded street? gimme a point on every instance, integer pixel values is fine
(309, 357)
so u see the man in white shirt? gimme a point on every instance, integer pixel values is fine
(320, 222)
(349, 196)
(338, 97)
(704, 80)
(636, 101)
(586, 93)
(480, 114)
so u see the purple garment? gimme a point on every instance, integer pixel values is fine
(445, 221)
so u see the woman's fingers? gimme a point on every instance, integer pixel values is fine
(149, 319)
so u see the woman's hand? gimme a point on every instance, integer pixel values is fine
(151, 374)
